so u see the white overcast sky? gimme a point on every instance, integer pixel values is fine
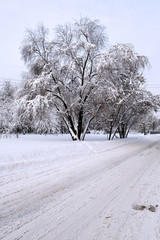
(126, 21)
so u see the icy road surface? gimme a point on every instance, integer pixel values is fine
(53, 188)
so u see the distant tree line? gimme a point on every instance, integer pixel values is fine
(76, 83)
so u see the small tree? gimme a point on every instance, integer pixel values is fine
(6, 106)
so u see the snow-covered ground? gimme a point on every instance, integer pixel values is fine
(54, 188)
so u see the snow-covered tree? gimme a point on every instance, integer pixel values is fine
(70, 66)
(138, 106)
(75, 76)
(124, 67)
(6, 106)
(147, 123)
(34, 108)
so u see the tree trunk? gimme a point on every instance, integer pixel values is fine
(87, 125)
(80, 122)
(110, 131)
(70, 127)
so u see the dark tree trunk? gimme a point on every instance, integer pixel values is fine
(122, 130)
(110, 131)
(80, 122)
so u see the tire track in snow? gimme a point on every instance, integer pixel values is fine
(95, 188)
(104, 199)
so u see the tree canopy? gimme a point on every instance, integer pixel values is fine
(77, 80)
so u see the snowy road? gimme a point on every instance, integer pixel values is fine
(64, 190)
